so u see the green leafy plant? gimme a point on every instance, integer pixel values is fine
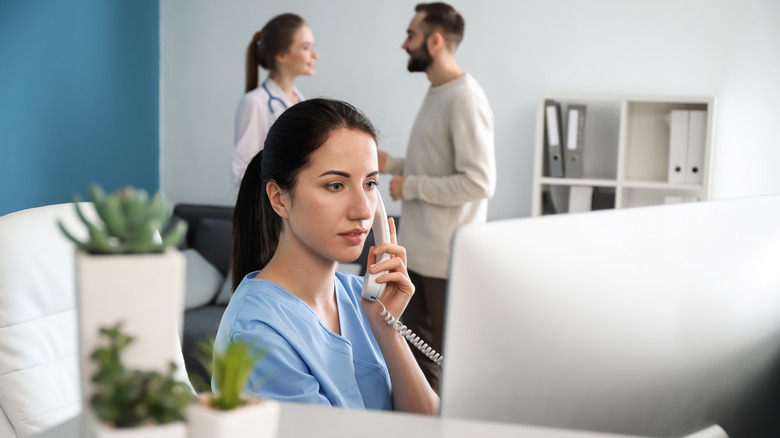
(130, 398)
(130, 223)
(230, 369)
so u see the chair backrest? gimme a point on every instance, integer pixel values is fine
(39, 374)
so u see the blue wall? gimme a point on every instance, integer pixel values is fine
(79, 98)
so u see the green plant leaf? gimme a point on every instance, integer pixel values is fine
(80, 244)
(128, 223)
(175, 235)
(143, 240)
(133, 206)
(127, 397)
(114, 219)
(231, 370)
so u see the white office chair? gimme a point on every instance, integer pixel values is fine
(39, 366)
(39, 374)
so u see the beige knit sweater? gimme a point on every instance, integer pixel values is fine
(450, 170)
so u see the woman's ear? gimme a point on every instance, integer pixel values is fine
(278, 199)
(281, 57)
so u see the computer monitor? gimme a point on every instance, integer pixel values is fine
(655, 321)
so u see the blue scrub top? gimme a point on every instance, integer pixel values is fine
(305, 361)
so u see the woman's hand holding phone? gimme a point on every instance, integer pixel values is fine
(399, 288)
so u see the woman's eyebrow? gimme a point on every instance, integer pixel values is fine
(336, 172)
(345, 174)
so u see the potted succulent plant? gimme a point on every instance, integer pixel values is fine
(230, 411)
(127, 271)
(134, 403)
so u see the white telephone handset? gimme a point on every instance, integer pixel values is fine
(373, 291)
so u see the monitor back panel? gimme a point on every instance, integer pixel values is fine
(652, 321)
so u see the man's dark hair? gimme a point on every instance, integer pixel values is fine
(443, 18)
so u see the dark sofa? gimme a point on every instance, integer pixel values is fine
(208, 233)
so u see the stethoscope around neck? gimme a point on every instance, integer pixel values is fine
(271, 99)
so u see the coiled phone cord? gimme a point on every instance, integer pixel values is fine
(413, 339)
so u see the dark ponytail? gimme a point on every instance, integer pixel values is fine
(274, 38)
(252, 75)
(256, 226)
(293, 138)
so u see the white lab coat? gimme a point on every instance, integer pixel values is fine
(253, 120)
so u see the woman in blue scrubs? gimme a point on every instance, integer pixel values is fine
(306, 203)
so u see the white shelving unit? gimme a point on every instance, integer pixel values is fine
(626, 150)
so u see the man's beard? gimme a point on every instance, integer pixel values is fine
(420, 59)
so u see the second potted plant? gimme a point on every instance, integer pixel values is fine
(133, 403)
(230, 411)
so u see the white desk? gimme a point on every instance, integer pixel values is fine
(299, 421)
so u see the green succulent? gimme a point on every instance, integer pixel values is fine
(130, 223)
(231, 369)
(131, 398)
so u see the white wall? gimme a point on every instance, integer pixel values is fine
(516, 49)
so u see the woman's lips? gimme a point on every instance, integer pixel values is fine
(354, 237)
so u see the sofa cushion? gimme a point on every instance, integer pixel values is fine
(193, 213)
(202, 281)
(213, 241)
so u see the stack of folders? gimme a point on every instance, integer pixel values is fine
(563, 161)
(687, 138)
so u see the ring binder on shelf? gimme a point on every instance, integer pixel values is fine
(552, 139)
(678, 145)
(575, 141)
(697, 137)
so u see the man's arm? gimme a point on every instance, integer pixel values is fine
(389, 164)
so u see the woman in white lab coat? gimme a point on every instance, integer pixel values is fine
(284, 47)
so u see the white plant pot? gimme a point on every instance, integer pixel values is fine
(146, 291)
(260, 420)
(170, 430)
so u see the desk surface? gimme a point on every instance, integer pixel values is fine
(298, 420)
